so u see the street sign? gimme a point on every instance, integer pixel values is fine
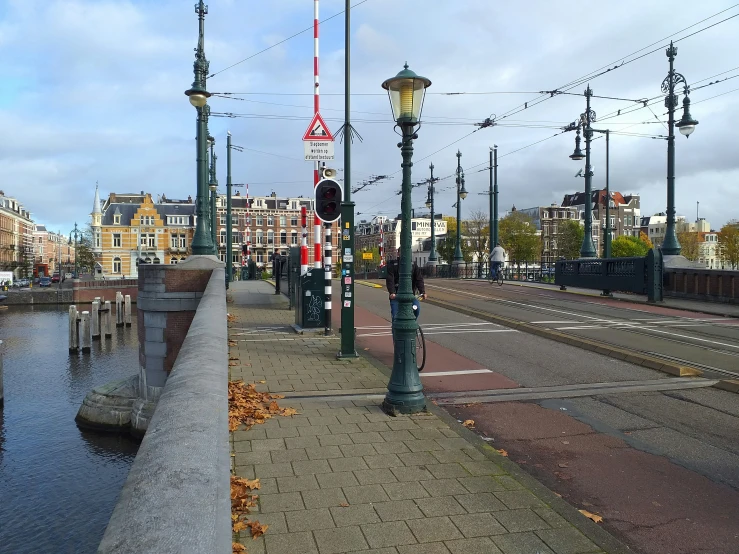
(318, 141)
(366, 255)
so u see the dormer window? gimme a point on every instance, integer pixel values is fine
(117, 219)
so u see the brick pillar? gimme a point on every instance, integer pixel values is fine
(168, 296)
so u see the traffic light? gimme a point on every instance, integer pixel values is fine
(328, 200)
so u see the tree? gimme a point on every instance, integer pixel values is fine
(689, 244)
(84, 255)
(518, 237)
(569, 239)
(476, 229)
(645, 239)
(728, 244)
(628, 247)
(446, 246)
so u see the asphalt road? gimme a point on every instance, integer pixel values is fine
(656, 456)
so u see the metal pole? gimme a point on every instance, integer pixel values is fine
(491, 230)
(213, 185)
(348, 348)
(201, 242)
(588, 248)
(229, 233)
(405, 391)
(670, 245)
(495, 195)
(607, 238)
(432, 254)
(458, 258)
(76, 270)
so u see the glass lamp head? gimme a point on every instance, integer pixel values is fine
(687, 123)
(406, 92)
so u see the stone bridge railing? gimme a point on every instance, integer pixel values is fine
(177, 494)
(712, 285)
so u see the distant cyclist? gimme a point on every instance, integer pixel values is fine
(497, 257)
(393, 281)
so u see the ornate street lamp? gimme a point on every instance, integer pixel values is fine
(588, 247)
(461, 194)
(202, 243)
(430, 204)
(405, 392)
(213, 186)
(670, 245)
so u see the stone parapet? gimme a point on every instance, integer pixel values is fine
(177, 494)
(712, 285)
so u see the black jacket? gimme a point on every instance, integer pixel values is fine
(392, 281)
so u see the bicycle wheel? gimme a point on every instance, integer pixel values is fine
(420, 349)
(500, 279)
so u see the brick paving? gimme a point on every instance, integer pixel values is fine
(342, 476)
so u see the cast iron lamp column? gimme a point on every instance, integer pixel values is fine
(229, 232)
(76, 271)
(213, 185)
(405, 391)
(588, 248)
(461, 194)
(430, 204)
(671, 246)
(198, 96)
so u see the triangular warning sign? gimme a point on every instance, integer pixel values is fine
(317, 130)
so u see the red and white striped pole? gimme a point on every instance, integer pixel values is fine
(316, 106)
(382, 247)
(304, 241)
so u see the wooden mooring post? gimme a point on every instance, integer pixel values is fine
(74, 330)
(85, 335)
(119, 309)
(127, 310)
(95, 319)
(108, 320)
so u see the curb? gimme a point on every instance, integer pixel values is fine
(728, 385)
(602, 538)
(368, 284)
(586, 344)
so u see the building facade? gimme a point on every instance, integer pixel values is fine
(369, 234)
(53, 249)
(130, 229)
(16, 237)
(549, 221)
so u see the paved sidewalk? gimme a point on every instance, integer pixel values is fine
(342, 476)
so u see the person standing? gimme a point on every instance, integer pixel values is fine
(276, 270)
(393, 281)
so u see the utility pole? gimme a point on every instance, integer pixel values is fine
(229, 237)
(213, 185)
(430, 204)
(348, 348)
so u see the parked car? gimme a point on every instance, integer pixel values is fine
(68, 276)
(44, 282)
(55, 278)
(22, 282)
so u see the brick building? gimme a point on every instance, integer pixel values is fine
(53, 249)
(16, 237)
(129, 229)
(548, 221)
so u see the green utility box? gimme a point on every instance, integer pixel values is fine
(309, 309)
(293, 273)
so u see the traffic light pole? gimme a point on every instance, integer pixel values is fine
(348, 347)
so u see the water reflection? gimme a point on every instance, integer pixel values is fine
(58, 484)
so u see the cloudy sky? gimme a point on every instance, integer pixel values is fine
(92, 90)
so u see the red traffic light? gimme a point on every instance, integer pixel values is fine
(328, 200)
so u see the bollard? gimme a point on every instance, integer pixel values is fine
(74, 343)
(127, 310)
(119, 309)
(108, 320)
(85, 332)
(95, 320)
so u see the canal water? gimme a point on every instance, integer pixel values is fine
(58, 484)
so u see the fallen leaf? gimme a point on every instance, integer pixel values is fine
(238, 547)
(232, 364)
(257, 529)
(239, 526)
(502, 452)
(232, 343)
(366, 348)
(344, 505)
(469, 423)
(562, 465)
(565, 442)
(232, 358)
(234, 517)
(262, 381)
(596, 518)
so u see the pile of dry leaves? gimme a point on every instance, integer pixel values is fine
(248, 406)
(243, 498)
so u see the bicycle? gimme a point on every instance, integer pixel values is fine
(420, 343)
(496, 277)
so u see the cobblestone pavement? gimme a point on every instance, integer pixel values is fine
(342, 476)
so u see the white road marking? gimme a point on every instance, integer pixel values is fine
(387, 332)
(449, 373)
(553, 322)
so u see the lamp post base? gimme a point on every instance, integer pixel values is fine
(408, 404)
(404, 391)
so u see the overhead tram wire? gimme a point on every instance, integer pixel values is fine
(283, 41)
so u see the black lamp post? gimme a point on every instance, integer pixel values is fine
(74, 232)
(461, 195)
(588, 248)
(213, 186)
(405, 391)
(671, 246)
(202, 243)
(430, 204)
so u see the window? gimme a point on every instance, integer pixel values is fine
(183, 241)
(223, 238)
(283, 221)
(270, 221)
(270, 237)
(173, 241)
(294, 237)
(259, 203)
(260, 221)
(223, 219)
(283, 237)
(152, 243)
(117, 219)
(294, 205)
(173, 261)
(260, 236)
(116, 265)
(157, 261)
(294, 221)
(116, 240)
